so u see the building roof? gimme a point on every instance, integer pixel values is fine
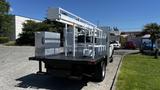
(28, 17)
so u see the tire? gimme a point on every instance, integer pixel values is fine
(100, 72)
(141, 51)
(111, 59)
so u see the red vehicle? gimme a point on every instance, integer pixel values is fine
(130, 45)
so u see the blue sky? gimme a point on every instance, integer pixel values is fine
(128, 15)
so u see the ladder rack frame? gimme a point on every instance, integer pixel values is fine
(68, 18)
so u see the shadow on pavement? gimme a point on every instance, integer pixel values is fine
(47, 82)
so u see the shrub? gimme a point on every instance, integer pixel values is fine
(10, 43)
(27, 38)
(4, 39)
(30, 27)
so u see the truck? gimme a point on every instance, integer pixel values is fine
(149, 47)
(86, 49)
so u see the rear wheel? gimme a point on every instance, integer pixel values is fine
(100, 72)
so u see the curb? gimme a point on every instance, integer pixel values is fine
(113, 86)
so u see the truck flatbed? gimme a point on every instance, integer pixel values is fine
(69, 58)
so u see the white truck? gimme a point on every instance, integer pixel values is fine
(86, 50)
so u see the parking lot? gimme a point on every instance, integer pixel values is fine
(17, 72)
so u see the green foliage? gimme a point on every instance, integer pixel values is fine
(30, 27)
(54, 26)
(6, 20)
(4, 7)
(153, 29)
(26, 38)
(123, 41)
(4, 39)
(6, 25)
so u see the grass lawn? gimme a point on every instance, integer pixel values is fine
(139, 72)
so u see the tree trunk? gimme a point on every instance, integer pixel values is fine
(152, 45)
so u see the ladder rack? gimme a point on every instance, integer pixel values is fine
(63, 16)
(70, 19)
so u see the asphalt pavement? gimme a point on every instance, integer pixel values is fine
(18, 73)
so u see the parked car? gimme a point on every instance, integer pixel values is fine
(116, 44)
(130, 45)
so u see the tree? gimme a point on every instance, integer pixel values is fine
(30, 27)
(6, 25)
(6, 20)
(153, 29)
(4, 7)
(27, 36)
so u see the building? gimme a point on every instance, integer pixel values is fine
(114, 34)
(133, 36)
(18, 25)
